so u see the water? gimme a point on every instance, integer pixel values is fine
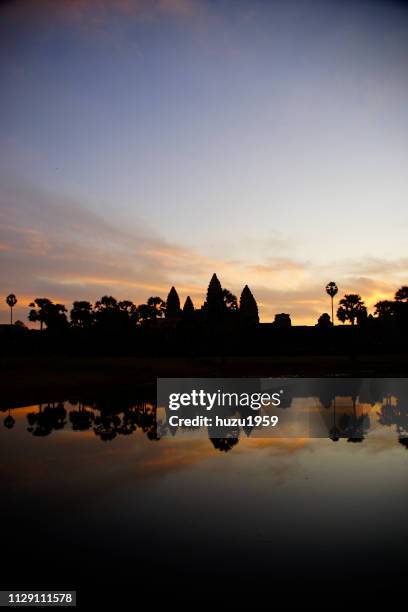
(92, 501)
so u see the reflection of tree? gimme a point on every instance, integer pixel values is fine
(334, 434)
(46, 420)
(105, 426)
(146, 419)
(394, 413)
(354, 427)
(225, 444)
(125, 419)
(82, 418)
(403, 441)
(110, 418)
(9, 421)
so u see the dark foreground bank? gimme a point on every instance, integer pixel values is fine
(27, 379)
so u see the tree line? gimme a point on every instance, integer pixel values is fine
(220, 304)
(110, 313)
(121, 416)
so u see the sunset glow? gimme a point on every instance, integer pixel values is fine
(150, 144)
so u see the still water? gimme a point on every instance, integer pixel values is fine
(92, 500)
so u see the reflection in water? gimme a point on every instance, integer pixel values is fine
(296, 510)
(9, 421)
(345, 416)
(48, 419)
(393, 412)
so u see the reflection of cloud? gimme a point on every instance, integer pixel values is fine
(274, 446)
(139, 457)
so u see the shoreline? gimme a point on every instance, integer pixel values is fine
(26, 379)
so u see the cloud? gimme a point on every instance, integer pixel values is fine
(54, 246)
(94, 12)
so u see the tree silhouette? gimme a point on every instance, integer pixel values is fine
(173, 304)
(401, 304)
(324, 321)
(106, 303)
(154, 309)
(128, 307)
(20, 324)
(145, 313)
(385, 309)
(48, 313)
(113, 316)
(351, 309)
(130, 310)
(158, 307)
(11, 302)
(282, 321)
(38, 311)
(82, 314)
(402, 294)
(248, 308)
(230, 300)
(332, 289)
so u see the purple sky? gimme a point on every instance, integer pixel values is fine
(150, 143)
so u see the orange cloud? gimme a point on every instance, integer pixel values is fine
(85, 256)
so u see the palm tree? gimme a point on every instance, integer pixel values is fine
(402, 294)
(332, 289)
(11, 302)
(385, 309)
(45, 311)
(352, 308)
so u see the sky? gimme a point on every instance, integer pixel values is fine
(150, 143)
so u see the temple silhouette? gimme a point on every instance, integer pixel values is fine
(223, 326)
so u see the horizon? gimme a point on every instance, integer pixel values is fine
(147, 144)
(197, 307)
